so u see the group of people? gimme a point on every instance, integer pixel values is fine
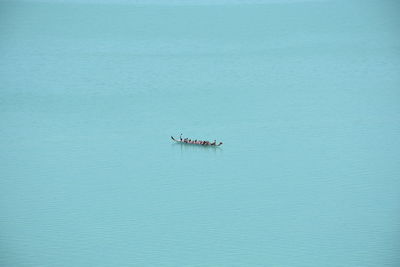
(199, 142)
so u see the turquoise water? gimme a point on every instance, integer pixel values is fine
(304, 95)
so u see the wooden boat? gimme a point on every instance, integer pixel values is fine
(195, 142)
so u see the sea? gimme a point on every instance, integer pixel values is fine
(304, 95)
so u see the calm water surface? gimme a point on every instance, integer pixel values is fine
(304, 95)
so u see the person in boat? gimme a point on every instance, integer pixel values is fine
(180, 137)
(214, 143)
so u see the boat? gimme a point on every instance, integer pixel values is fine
(195, 142)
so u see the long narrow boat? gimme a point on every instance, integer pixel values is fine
(196, 142)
